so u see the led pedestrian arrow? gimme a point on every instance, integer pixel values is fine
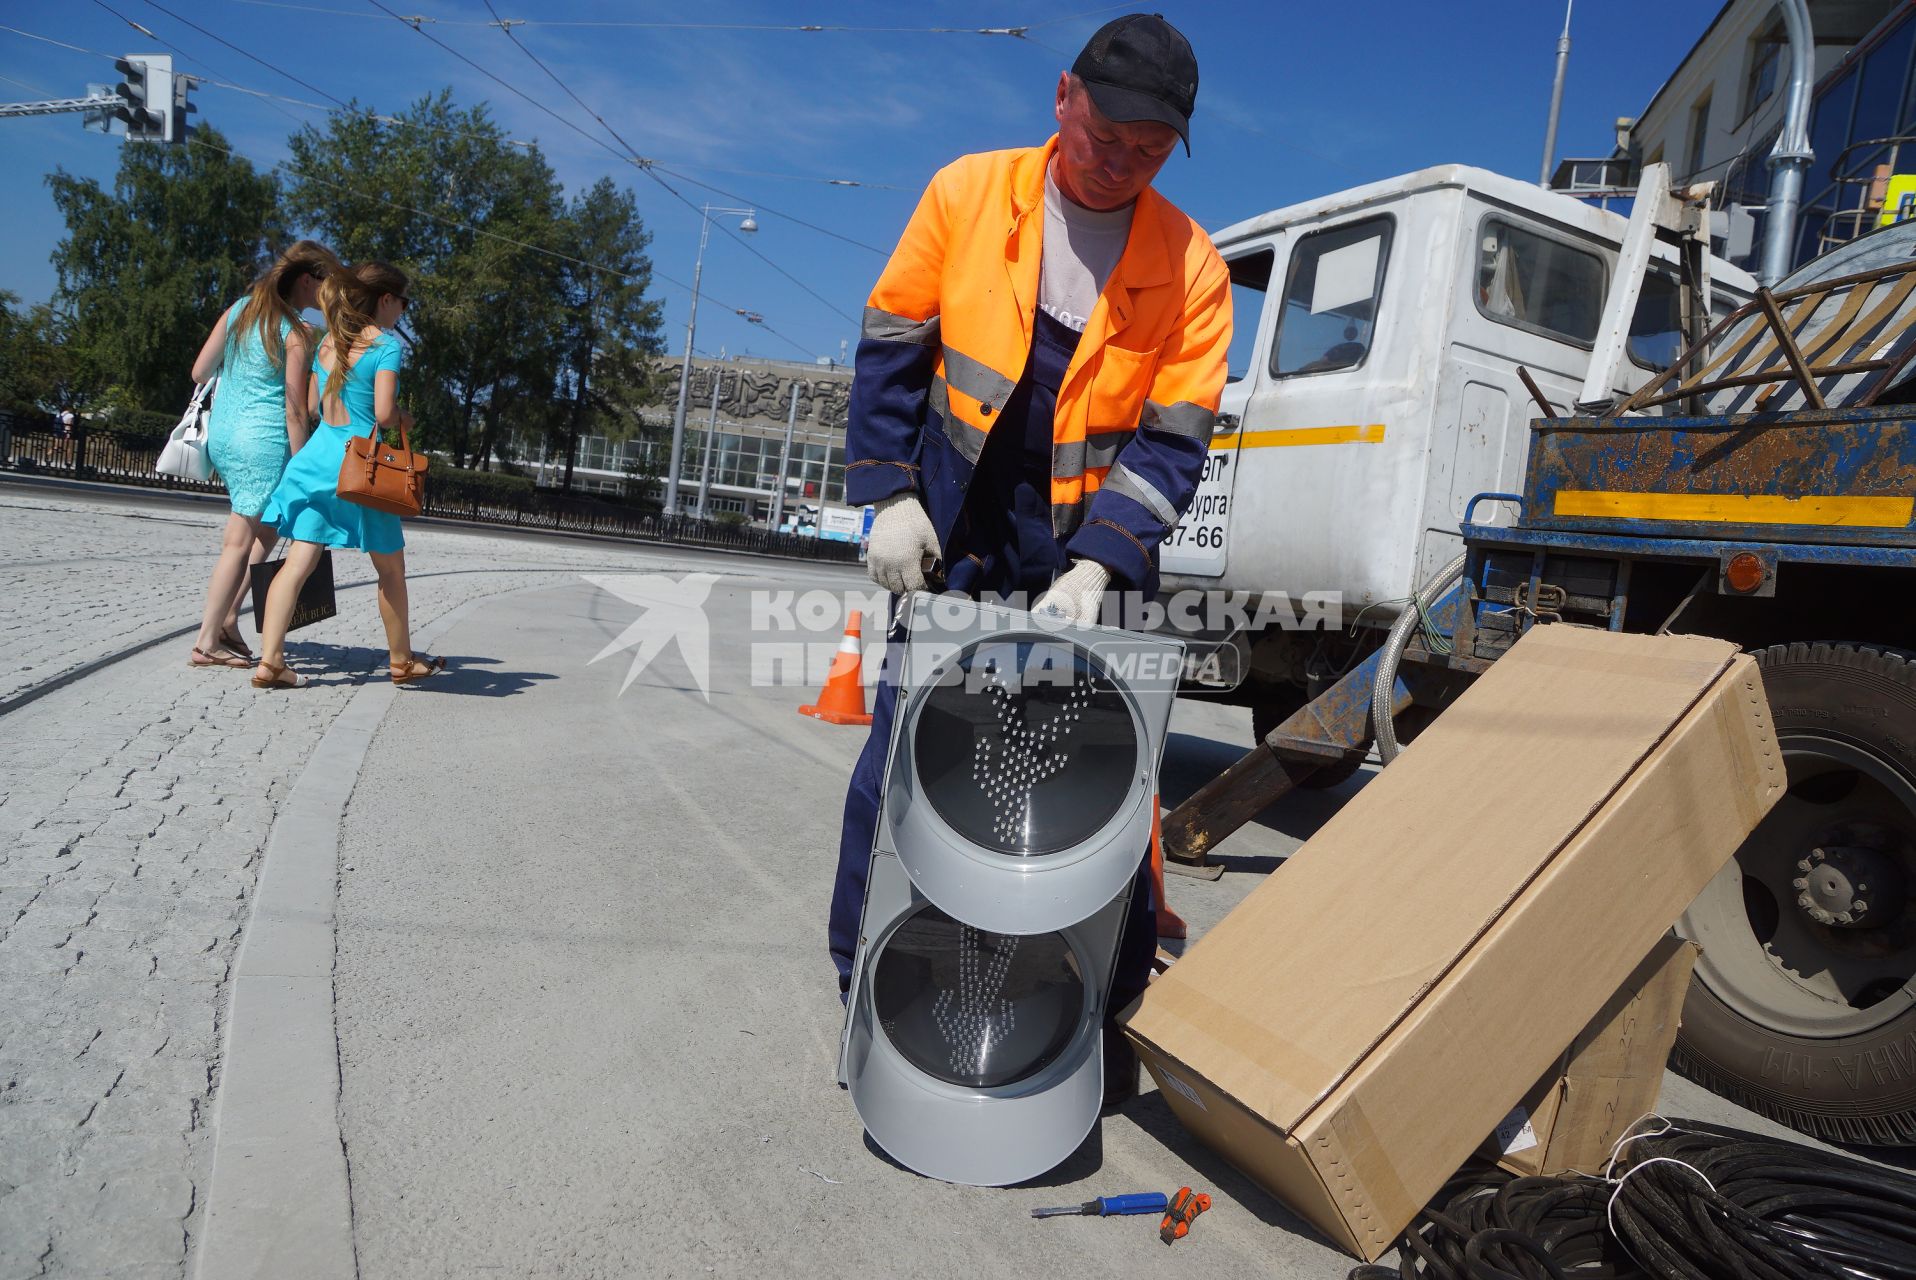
(1016, 809)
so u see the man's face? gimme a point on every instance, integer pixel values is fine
(1103, 164)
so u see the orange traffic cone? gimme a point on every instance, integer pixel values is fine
(1170, 923)
(842, 700)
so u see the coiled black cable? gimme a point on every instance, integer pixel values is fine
(1689, 1202)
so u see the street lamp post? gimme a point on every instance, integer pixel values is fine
(785, 460)
(749, 223)
(711, 429)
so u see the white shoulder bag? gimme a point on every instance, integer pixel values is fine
(185, 453)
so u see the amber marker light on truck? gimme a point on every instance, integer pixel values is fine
(1744, 572)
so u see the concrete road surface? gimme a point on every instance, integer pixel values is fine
(509, 973)
(587, 1025)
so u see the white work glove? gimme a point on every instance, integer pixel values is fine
(1077, 595)
(902, 539)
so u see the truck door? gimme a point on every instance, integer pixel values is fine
(1198, 545)
(1532, 297)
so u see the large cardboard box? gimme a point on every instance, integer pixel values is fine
(1608, 1078)
(1349, 1034)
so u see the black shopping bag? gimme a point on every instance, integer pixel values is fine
(316, 601)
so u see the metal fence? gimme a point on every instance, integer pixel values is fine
(96, 455)
(567, 513)
(89, 455)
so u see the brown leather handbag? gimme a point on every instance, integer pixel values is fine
(376, 475)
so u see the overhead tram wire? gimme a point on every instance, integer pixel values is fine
(364, 112)
(150, 34)
(304, 84)
(287, 167)
(412, 19)
(632, 154)
(647, 167)
(372, 113)
(644, 165)
(30, 88)
(809, 28)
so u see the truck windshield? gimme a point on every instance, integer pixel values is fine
(1330, 298)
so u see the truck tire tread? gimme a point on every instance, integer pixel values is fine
(1859, 1088)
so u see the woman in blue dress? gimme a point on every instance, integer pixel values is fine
(354, 391)
(262, 352)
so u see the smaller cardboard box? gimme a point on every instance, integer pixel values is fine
(1608, 1078)
(1350, 1032)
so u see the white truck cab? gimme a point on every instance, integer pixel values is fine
(1374, 387)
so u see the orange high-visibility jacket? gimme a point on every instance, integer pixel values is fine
(947, 334)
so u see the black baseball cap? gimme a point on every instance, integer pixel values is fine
(1140, 67)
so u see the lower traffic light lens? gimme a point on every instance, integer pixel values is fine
(1025, 747)
(973, 1008)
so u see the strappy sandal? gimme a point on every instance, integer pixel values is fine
(273, 681)
(232, 640)
(202, 659)
(403, 673)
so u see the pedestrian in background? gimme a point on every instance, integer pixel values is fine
(354, 391)
(262, 351)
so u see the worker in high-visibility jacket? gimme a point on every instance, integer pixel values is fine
(1036, 386)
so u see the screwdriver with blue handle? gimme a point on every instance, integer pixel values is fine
(1107, 1206)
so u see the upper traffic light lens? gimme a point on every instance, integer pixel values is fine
(973, 1008)
(1025, 747)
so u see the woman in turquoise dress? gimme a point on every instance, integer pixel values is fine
(354, 392)
(261, 351)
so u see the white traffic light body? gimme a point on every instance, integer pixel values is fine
(1024, 791)
(152, 98)
(1017, 807)
(927, 1067)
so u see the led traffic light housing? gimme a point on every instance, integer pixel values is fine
(1017, 807)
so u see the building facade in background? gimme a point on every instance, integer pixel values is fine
(754, 401)
(1717, 117)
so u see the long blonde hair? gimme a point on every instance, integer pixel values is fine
(348, 298)
(268, 308)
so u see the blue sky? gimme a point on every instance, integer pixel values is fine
(1296, 100)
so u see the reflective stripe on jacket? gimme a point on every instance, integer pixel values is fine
(948, 331)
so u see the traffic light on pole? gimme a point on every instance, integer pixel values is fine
(179, 128)
(147, 92)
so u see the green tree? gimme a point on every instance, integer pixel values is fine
(37, 369)
(145, 269)
(611, 332)
(485, 308)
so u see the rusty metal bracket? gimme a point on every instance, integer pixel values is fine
(1791, 352)
(1536, 392)
(1330, 727)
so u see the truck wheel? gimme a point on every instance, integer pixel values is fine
(1273, 708)
(1803, 1008)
